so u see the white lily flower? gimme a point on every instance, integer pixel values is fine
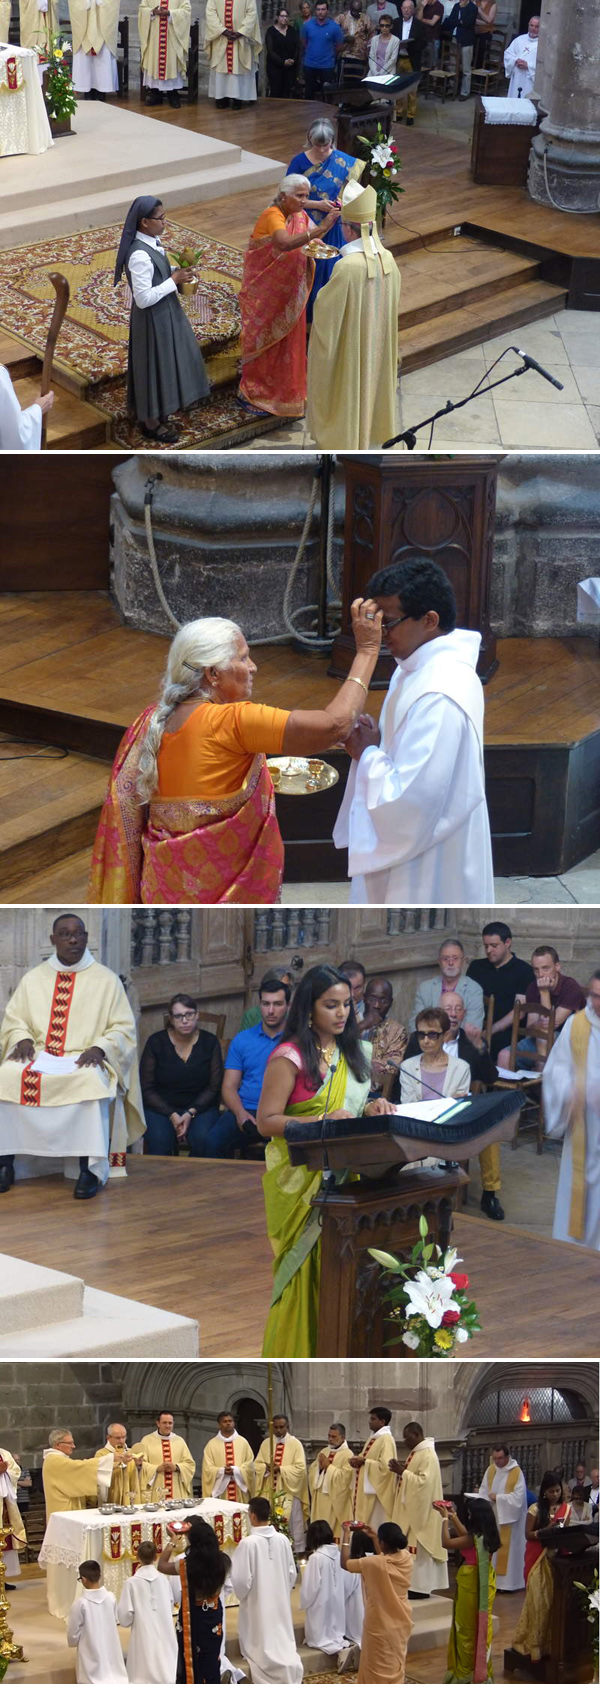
(430, 1299)
(451, 1259)
(460, 1334)
(382, 155)
(594, 1594)
(410, 1340)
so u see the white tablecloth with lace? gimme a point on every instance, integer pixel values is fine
(111, 1539)
(24, 125)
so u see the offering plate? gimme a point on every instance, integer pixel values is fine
(320, 249)
(299, 776)
(106, 1509)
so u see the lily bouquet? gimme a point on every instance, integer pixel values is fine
(592, 1604)
(59, 93)
(429, 1305)
(279, 1516)
(384, 169)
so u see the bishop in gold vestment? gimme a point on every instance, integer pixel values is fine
(353, 352)
(291, 1481)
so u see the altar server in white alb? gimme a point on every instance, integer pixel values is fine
(92, 1629)
(20, 430)
(504, 1486)
(520, 61)
(414, 814)
(322, 1596)
(69, 1085)
(95, 28)
(263, 1574)
(571, 1089)
(146, 1608)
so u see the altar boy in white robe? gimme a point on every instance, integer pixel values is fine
(263, 1574)
(571, 1090)
(414, 814)
(322, 1596)
(504, 1486)
(92, 1629)
(146, 1608)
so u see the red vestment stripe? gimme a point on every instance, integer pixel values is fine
(163, 32)
(357, 1477)
(31, 1087)
(279, 1452)
(167, 1475)
(231, 1490)
(59, 1013)
(228, 24)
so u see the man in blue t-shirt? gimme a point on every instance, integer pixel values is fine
(245, 1064)
(323, 41)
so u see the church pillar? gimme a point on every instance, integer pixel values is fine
(564, 162)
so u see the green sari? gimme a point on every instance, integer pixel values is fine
(294, 1226)
(470, 1641)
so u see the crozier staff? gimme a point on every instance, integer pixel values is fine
(165, 367)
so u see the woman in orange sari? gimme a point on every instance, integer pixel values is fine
(190, 812)
(278, 276)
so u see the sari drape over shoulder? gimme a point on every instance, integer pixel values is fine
(294, 1226)
(326, 182)
(470, 1642)
(273, 296)
(178, 850)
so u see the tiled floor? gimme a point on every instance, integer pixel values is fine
(580, 884)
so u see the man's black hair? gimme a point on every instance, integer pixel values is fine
(421, 585)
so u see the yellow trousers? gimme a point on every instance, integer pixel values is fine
(404, 68)
(489, 1166)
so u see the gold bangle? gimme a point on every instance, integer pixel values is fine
(359, 683)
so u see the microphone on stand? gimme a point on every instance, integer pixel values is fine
(531, 363)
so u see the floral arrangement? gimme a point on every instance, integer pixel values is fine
(592, 1603)
(279, 1517)
(59, 92)
(384, 168)
(429, 1304)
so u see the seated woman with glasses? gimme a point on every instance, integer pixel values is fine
(433, 1073)
(181, 1072)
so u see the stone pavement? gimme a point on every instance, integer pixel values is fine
(579, 884)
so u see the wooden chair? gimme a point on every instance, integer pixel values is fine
(544, 1036)
(486, 78)
(489, 1003)
(389, 1080)
(123, 57)
(446, 73)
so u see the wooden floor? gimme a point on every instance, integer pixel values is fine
(174, 1233)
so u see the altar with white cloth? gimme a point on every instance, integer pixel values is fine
(112, 1539)
(24, 123)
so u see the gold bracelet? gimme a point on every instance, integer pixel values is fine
(359, 682)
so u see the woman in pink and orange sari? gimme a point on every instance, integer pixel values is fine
(190, 812)
(278, 276)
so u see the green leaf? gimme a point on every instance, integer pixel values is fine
(428, 1251)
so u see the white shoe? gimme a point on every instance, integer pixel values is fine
(348, 1658)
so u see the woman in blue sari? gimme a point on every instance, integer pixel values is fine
(327, 170)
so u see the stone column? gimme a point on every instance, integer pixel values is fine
(564, 162)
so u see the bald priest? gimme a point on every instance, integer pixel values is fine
(68, 1062)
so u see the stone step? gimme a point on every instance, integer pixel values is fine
(50, 808)
(439, 337)
(432, 1619)
(104, 1325)
(33, 1295)
(73, 423)
(433, 285)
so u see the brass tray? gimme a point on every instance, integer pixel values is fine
(300, 776)
(320, 249)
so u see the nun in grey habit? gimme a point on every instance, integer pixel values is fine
(165, 368)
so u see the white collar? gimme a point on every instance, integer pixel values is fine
(385, 1431)
(151, 240)
(54, 1451)
(342, 1445)
(165, 1438)
(461, 644)
(280, 1439)
(227, 1438)
(357, 246)
(87, 960)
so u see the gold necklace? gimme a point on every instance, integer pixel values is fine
(327, 1053)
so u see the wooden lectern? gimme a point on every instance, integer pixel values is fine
(573, 1558)
(443, 508)
(381, 1209)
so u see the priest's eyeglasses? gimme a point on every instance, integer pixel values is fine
(386, 626)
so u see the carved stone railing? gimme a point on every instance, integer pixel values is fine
(160, 936)
(401, 920)
(297, 928)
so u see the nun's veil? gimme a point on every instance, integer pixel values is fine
(142, 207)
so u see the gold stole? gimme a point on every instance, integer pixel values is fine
(580, 1037)
(505, 1529)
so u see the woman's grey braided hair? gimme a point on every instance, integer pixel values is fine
(211, 642)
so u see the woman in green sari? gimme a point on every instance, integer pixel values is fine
(320, 1066)
(473, 1531)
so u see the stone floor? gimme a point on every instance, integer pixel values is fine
(580, 884)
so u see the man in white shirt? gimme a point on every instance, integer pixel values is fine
(520, 61)
(263, 1574)
(414, 814)
(20, 430)
(92, 1629)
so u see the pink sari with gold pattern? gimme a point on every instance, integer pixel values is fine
(273, 298)
(175, 850)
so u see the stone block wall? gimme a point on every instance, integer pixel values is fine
(37, 1398)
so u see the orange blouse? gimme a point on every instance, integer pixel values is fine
(210, 755)
(268, 222)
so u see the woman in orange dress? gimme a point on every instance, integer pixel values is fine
(278, 276)
(190, 812)
(385, 1579)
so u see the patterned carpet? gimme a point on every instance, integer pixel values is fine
(92, 346)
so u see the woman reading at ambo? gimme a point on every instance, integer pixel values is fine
(190, 811)
(320, 1067)
(533, 1634)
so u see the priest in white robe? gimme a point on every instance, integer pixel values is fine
(414, 814)
(164, 31)
(505, 1488)
(419, 1485)
(95, 29)
(146, 1608)
(263, 1574)
(92, 1629)
(330, 1481)
(69, 1082)
(374, 1487)
(233, 42)
(228, 1464)
(520, 60)
(10, 1516)
(571, 1092)
(20, 430)
(291, 1479)
(322, 1597)
(169, 1460)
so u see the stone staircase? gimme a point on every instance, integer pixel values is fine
(432, 1619)
(50, 1315)
(465, 292)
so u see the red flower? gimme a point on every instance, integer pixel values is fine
(393, 149)
(450, 1318)
(459, 1279)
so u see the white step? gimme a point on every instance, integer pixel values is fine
(432, 1620)
(33, 1295)
(95, 1324)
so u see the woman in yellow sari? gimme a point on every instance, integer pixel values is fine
(471, 1530)
(190, 812)
(533, 1633)
(319, 1067)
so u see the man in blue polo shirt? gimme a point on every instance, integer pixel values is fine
(245, 1069)
(323, 41)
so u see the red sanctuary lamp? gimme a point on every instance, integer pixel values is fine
(525, 1415)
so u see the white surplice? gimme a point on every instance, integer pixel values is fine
(558, 1087)
(414, 815)
(354, 1604)
(92, 1629)
(521, 81)
(146, 1608)
(509, 1509)
(263, 1574)
(322, 1600)
(20, 430)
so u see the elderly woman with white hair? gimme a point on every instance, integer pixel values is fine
(278, 276)
(190, 813)
(326, 170)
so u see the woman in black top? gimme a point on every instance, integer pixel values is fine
(181, 1072)
(283, 48)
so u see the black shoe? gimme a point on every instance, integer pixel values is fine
(154, 97)
(7, 1176)
(491, 1206)
(220, 104)
(10, 1587)
(173, 98)
(409, 122)
(87, 1185)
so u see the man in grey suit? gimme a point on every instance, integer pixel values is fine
(452, 977)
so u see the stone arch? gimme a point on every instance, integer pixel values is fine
(518, 1374)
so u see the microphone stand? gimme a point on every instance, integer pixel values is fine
(409, 435)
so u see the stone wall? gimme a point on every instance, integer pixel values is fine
(37, 1398)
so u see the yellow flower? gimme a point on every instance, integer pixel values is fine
(444, 1339)
(387, 172)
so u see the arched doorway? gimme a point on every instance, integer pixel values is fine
(250, 1416)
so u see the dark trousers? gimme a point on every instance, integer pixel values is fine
(315, 80)
(281, 79)
(161, 1138)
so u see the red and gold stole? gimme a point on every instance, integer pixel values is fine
(168, 1475)
(279, 1453)
(365, 1451)
(163, 33)
(231, 1490)
(228, 24)
(31, 1083)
